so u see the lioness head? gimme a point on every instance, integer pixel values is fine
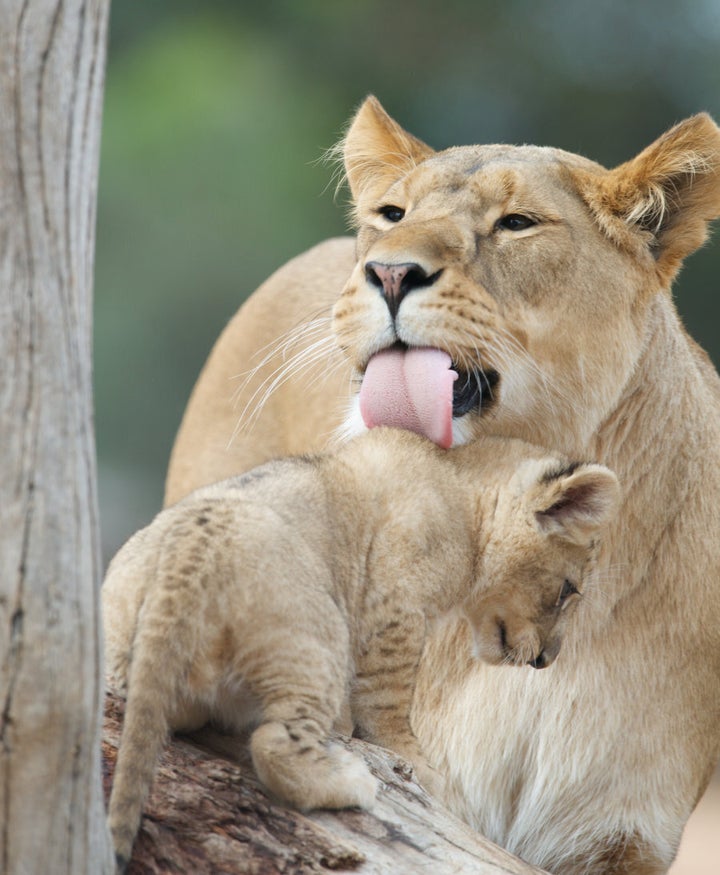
(541, 535)
(533, 269)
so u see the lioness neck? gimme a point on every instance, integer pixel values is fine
(663, 444)
(658, 412)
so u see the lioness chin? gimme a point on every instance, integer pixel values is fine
(543, 280)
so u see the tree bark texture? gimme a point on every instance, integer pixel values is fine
(52, 60)
(208, 815)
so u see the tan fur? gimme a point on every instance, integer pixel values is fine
(271, 598)
(575, 316)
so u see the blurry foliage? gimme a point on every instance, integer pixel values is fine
(217, 112)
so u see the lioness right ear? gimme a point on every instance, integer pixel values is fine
(377, 151)
(668, 193)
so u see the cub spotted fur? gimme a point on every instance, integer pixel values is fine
(272, 598)
(550, 292)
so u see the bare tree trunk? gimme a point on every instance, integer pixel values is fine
(52, 59)
(208, 815)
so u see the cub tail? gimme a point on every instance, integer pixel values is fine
(161, 654)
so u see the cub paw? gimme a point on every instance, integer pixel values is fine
(351, 782)
(315, 774)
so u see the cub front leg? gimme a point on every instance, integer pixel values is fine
(301, 683)
(384, 687)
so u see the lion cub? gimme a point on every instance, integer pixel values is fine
(274, 598)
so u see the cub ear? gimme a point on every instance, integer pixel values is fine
(669, 193)
(377, 151)
(576, 502)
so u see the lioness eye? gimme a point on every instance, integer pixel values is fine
(567, 590)
(515, 222)
(391, 213)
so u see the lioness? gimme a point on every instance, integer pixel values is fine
(269, 598)
(546, 279)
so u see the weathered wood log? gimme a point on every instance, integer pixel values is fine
(52, 63)
(207, 813)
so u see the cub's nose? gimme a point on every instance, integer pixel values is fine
(394, 281)
(542, 660)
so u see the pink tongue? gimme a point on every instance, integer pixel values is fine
(410, 389)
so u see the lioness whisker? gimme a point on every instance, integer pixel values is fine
(280, 345)
(516, 349)
(320, 350)
(292, 365)
(506, 350)
(280, 348)
(300, 361)
(553, 392)
(332, 360)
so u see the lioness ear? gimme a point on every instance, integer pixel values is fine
(669, 193)
(377, 151)
(576, 502)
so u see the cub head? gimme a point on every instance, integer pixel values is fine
(532, 269)
(540, 539)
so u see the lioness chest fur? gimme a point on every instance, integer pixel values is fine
(272, 599)
(549, 291)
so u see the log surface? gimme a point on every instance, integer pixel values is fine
(207, 813)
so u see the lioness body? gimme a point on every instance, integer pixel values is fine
(269, 600)
(595, 765)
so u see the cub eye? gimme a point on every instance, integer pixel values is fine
(514, 222)
(391, 213)
(567, 590)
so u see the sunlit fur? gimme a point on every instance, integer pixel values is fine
(594, 765)
(283, 599)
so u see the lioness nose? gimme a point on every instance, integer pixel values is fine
(394, 281)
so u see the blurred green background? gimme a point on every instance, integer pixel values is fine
(217, 112)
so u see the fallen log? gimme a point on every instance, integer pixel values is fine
(207, 814)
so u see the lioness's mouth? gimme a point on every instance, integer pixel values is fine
(473, 390)
(419, 389)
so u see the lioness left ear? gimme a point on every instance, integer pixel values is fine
(669, 193)
(577, 502)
